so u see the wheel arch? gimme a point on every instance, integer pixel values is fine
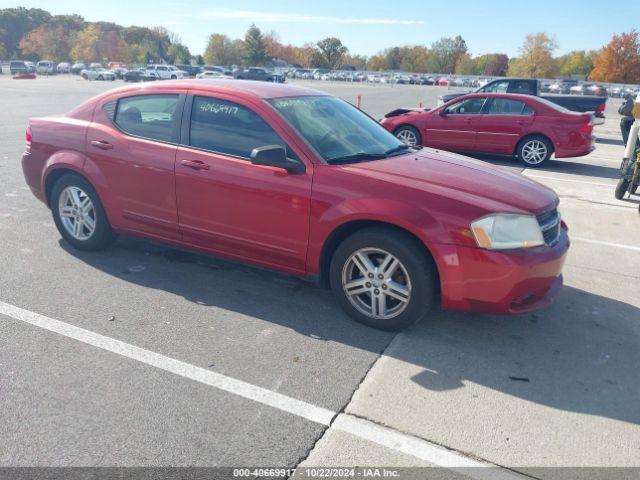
(343, 231)
(56, 173)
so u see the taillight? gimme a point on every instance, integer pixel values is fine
(587, 128)
(28, 138)
(600, 109)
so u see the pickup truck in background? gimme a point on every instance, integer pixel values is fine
(528, 86)
(255, 73)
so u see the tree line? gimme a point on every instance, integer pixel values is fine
(36, 34)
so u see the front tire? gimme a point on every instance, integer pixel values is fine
(534, 150)
(621, 188)
(79, 215)
(408, 135)
(383, 278)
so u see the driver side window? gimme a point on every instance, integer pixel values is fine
(470, 106)
(229, 128)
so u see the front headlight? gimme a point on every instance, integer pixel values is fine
(507, 231)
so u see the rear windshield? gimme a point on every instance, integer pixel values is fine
(555, 106)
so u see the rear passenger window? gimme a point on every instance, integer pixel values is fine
(229, 128)
(148, 116)
(506, 106)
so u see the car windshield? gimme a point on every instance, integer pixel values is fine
(337, 130)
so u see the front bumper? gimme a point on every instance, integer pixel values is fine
(486, 281)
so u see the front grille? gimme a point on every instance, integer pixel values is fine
(550, 224)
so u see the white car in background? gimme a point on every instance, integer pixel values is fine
(165, 72)
(97, 74)
(45, 67)
(211, 74)
(63, 67)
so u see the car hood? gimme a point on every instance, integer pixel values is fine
(487, 186)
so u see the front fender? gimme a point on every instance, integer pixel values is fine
(414, 220)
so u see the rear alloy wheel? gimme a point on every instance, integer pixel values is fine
(408, 135)
(382, 278)
(79, 214)
(534, 151)
(100, 77)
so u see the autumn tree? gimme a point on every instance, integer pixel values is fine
(223, 51)
(330, 53)
(377, 63)
(619, 60)
(113, 47)
(536, 57)
(358, 61)
(414, 59)
(497, 65)
(255, 50)
(178, 53)
(445, 54)
(16, 23)
(304, 55)
(49, 42)
(578, 62)
(86, 45)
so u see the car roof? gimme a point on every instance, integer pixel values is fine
(261, 90)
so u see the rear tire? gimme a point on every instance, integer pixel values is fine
(79, 215)
(534, 151)
(408, 135)
(383, 294)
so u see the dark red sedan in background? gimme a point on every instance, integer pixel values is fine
(302, 182)
(530, 128)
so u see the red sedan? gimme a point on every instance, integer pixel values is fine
(302, 182)
(530, 128)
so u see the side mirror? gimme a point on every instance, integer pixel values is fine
(443, 112)
(275, 156)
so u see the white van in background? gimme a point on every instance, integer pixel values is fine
(45, 67)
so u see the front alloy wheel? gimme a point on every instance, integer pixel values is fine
(383, 277)
(376, 283)
(408, 135)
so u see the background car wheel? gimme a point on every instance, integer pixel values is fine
(85, 76)
(100, 77)
(173, 77)
(408, 135)
(79, 215)
(535, 150)
(383, 278)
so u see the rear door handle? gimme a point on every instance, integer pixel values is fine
(101, 144)
(195, 164)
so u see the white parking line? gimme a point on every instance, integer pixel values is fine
(387, 437)
(600, 184)
(213, 379)
(419, 448)
(606, 244)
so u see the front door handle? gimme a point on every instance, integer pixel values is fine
(195, 164)
(101, 144)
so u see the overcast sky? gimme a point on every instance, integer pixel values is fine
(367, 26)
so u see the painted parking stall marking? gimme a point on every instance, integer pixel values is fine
(387, 437)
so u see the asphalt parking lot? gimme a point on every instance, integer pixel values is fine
(142, 355)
